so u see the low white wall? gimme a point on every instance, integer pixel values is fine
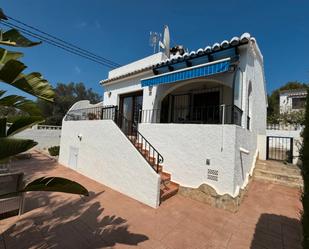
(105, 154)
(46, 136)
(283, 133)
(185, 148)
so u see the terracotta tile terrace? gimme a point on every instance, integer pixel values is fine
(268, 218)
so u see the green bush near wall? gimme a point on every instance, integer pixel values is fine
(54, 150)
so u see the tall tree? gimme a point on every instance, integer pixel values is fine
(65, 96)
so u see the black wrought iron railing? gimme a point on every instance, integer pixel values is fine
(93, 113)
(222, 114)
(129, 128)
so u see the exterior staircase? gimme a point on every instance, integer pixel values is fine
(278, 173)
(168, 188)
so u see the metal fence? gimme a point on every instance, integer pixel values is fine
(223, 114)
(93, 113)
(279, 148)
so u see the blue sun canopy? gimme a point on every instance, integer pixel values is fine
(203, 70)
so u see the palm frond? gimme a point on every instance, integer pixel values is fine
(14, 38)
(6, 55)
(33, 83)
(13, 146)
(56, 184)
(20, 103)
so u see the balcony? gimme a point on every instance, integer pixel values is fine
(220, 114)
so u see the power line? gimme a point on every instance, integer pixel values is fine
(57, 44)
(80, 52)
(61, 40)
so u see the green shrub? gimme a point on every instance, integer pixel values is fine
(54, 150)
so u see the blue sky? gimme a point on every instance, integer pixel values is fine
(119, 30)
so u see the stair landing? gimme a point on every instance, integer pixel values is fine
(278, 173)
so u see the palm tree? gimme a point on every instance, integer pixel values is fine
(11, 72)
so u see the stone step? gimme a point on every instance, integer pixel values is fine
(168, 190)
(280, 182)
(165, 177)
(278, 176)
(167, 187)
(278, 167)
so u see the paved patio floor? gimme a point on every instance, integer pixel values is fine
(268, 218)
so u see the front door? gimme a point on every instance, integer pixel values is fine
(130, 107)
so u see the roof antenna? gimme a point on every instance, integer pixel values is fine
(154, 40)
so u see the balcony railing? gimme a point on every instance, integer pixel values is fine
(223, 114)
(93, 113)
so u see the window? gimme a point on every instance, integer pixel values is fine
(298, 103)
(238, 89)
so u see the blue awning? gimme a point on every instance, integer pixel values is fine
(188, 73)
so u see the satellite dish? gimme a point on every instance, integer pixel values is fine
(166, 41)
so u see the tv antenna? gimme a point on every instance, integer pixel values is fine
(154, 40)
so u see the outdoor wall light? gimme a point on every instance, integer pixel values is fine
(80, 137)
(109, 94)
(150, 90)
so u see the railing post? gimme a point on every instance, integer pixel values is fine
(267, 148)
(291, 151)
(223, 113)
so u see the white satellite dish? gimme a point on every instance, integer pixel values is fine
(166, 41)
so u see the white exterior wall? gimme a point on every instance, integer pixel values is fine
(254, 139)
(137, 65)
(124, 86)
(253, 72)
(185, 148)
(45, 137)
(107, 156)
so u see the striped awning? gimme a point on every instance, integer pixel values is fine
(198, 71)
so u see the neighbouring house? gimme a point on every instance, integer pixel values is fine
(173, 121)
(292, 100)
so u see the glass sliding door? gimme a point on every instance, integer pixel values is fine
(130, 107)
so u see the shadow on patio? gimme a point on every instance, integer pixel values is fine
(65, 221)
(277, 231)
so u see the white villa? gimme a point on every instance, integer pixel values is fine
(292, 100)
(174, 120)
